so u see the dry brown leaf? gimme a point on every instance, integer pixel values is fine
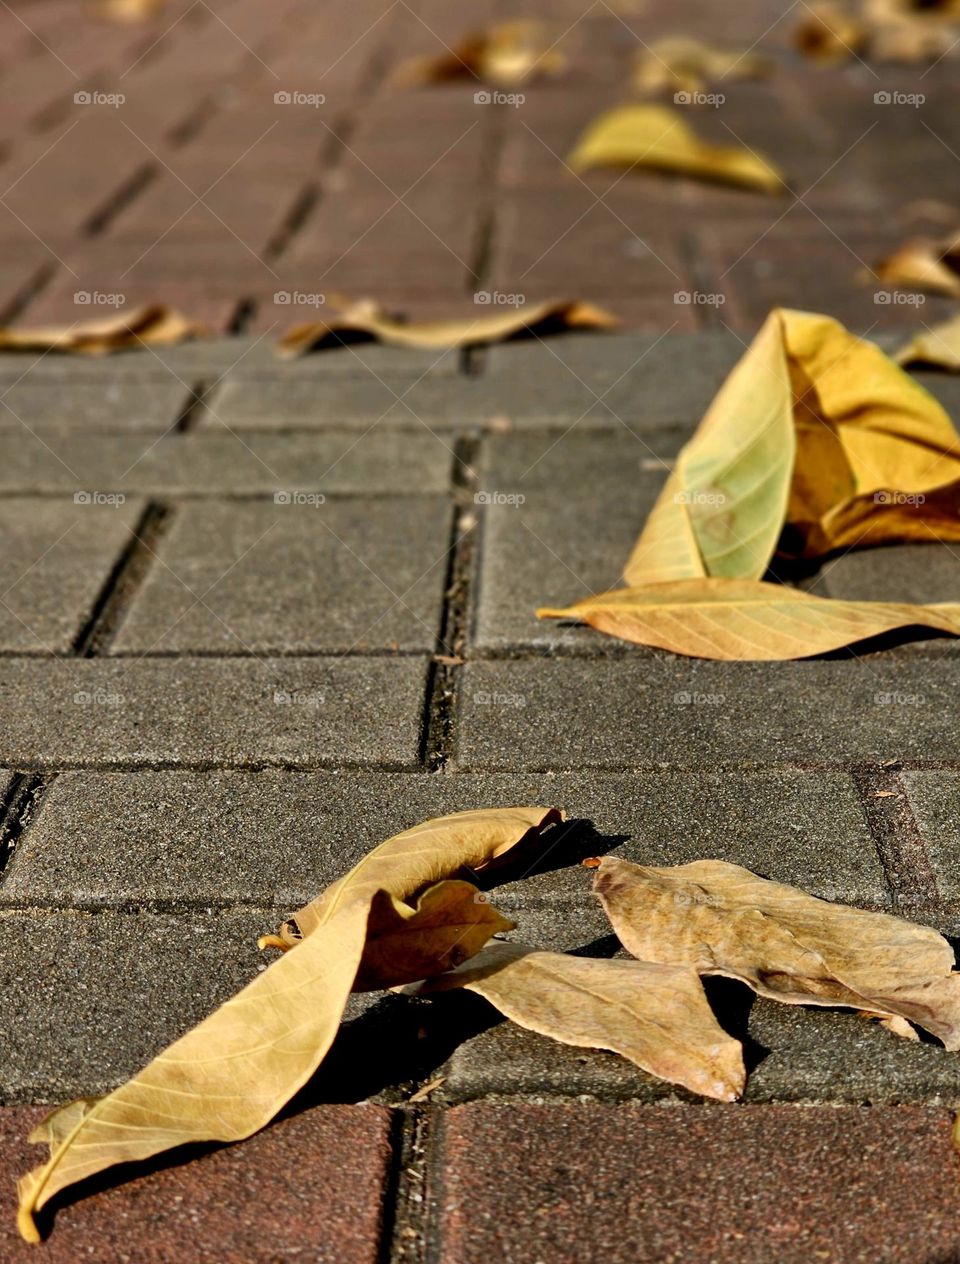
(722, 919)
(367, 317)
(155, 326)
(450, 922)
(681, 64)
(656, 1016)
(505, 55)
(829, 33)
(745, 619)
(129, 10)
(939, 346)
(228, 1077)
(657, 137)
(923, 263)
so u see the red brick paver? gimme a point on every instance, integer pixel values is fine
(309, 1188)
(764, 1184)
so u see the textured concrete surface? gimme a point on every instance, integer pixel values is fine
(201, 464)
(687, 713)
(299, 575)
(279, 837)
(57, 557)
(95, 407)
(718, 1183)
(935, 803)
(200, 712)
(256, 1203)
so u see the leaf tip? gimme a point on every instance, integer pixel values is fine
(25, 1221)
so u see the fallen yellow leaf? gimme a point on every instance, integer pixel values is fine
(815, 431)
(228, 1076)
(155, 326)
(367, 317)
(923, 264)
(506, 55)
(829, 33)
(722, 919)
(656, 1016)
(655, 136)
(939, 345)
(745, 619)
(682, 64)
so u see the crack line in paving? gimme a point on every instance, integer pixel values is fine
(897, 837)
(126, 577)
(404, 1235)
(19, 807)
(444, 677)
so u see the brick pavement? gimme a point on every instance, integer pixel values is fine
(225, 581)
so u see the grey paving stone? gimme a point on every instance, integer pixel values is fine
(203, 712)
(935, 800)
(279, 837)
(355, 359)
(96, 407)
(904, 572)
(552, 548)
(639, 378)
(667, 711)
(279, 402)
(56, 557)
(190, 361)
(248, 577)
(525, 462)
(793, 1054)
(89, 998)
(203, 464)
